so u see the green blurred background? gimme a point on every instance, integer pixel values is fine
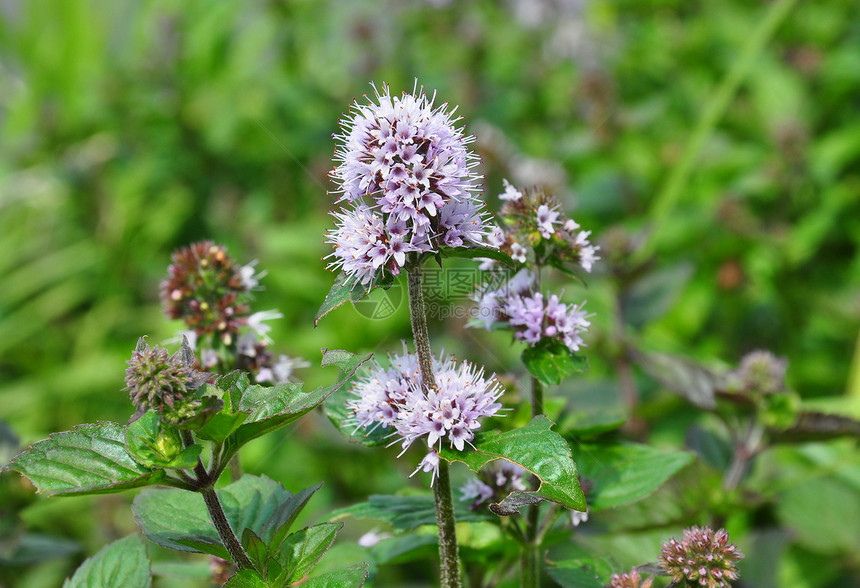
(726, 131)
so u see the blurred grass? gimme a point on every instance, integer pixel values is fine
(131, 128)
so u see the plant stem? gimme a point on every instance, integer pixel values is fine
(530, 566)
(222, 525)
(448, 552)
(216, 512)
(531, 554)
(537, 397)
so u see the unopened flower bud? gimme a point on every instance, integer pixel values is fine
(158, 381)
(702, 557)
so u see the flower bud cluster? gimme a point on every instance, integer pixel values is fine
(212, 295)
(703, 557)
(534, 226)
(761, 373)
(409, 176)
(395, 398)
(629, 580)
(162, 382)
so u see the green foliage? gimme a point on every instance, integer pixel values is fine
(538, 450)
(91, 459)
(156, 446)
(135, 128)
(550, 361)
(624, 473)
(178, 519)
(404, 513)
(580, 573)
(121, 563)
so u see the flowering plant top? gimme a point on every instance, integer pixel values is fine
(407, 171)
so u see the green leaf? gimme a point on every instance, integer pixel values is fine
(351, 577)
(335, 406)
(650, 296)
(626, 472)
(693, 381)
(157, 446)
(122, 563)
(405, 547)
(817, 426)
(340, 292)
(581, 573)
(405, 513)
(246, 579)
(210, 405)
(550, 361)
(91, 459)
(178, 519)
(221, 426)
(346, 289)
(583, 577)
(822, 530)
(303, 549)
(535, 448)
(32, 548)
(478, 252)
(271, 408)
(256, 550)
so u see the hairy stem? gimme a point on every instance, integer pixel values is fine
(204, 483)
(222, 525)
(448, 552)
(531, 554)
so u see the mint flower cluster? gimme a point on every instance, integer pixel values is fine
(535, 228)
(703, 557)
(531, 315)
(212, 294)
(408, 175)
(535, 234)
(395, 398)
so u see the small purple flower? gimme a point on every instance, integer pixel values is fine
(394, 398)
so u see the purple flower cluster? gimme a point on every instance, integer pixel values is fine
(409, 160)
(532, 316)
(394, 397)
(535, 318)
